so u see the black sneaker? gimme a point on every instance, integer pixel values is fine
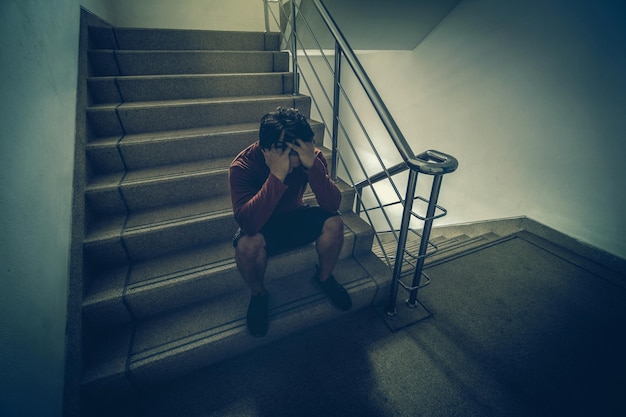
(338, 295)
(258, 315)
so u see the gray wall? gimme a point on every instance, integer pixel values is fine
(38, 61)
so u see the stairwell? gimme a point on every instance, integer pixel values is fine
(169, 110)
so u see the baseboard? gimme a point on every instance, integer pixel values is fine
(502, 227)
(509, 226)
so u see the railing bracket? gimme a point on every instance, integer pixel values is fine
(403, 316)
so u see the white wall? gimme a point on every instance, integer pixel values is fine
(243, 15)
(530, 97)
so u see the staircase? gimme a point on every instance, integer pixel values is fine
(169, 111)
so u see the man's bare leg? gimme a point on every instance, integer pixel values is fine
(329, 245)
(251, 259)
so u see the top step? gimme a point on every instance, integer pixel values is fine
(177, 39)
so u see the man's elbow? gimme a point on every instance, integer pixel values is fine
(246, 225)
(333, 206)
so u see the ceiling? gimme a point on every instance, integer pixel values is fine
(381, 25)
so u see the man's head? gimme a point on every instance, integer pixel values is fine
(283, 126)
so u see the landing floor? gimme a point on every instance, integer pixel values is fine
(518, 328)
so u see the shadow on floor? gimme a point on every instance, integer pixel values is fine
(517, 329)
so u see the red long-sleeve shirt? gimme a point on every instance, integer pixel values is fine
(257, 194)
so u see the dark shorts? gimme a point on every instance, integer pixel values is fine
(291, 230)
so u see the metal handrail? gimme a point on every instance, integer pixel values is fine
(431, 162)
(383, 112)
(266, 13)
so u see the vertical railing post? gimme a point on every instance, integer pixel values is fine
(428, 224)
(336, 96)
(267, 16)
(294, 49)
(404, 231)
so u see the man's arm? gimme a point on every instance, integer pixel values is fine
(252, 206)
(326, 191)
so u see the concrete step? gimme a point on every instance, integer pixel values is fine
(142, 150)
(161, 62)
(164, 228)
(178, 87)
(152, 187)
(170, 345)
(450, 247)
(107, 120)
(118, 295)
(163, 295)
(140, 237)
(145, 188)
(147, 38)
(440, 248)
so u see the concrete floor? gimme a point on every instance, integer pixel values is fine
(520, 328)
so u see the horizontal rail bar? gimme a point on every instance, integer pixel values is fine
(383, 112)
(396, 169)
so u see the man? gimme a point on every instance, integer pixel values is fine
(267, 181)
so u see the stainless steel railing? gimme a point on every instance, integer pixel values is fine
(351, 141)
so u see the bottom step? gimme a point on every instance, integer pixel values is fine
(196, 337)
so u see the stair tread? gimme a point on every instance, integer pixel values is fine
(167, 291)
(446, 247)
(188, 102)
(178, 134)
(188, 76)
(133, 88)
(177, 170)
(167, 216)
(181, 263)
(149, 38)
(152, 271)
(196, 39)
(184, 51)
(206, 271)
(152, 62)
(150, 334)
(187, 133)
(160, 173)
(160, 337)
(159, 217)
(164, 172)
(212, 207)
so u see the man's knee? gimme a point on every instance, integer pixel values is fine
(334, 226)
(249, 247)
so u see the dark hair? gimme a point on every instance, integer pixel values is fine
(287, 120)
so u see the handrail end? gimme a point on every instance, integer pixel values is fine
(433, 162)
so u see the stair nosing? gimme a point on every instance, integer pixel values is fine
(203, 101)
(177, 134)
(131, 105)
(145, 355)
(227, 262)
(190, 75)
